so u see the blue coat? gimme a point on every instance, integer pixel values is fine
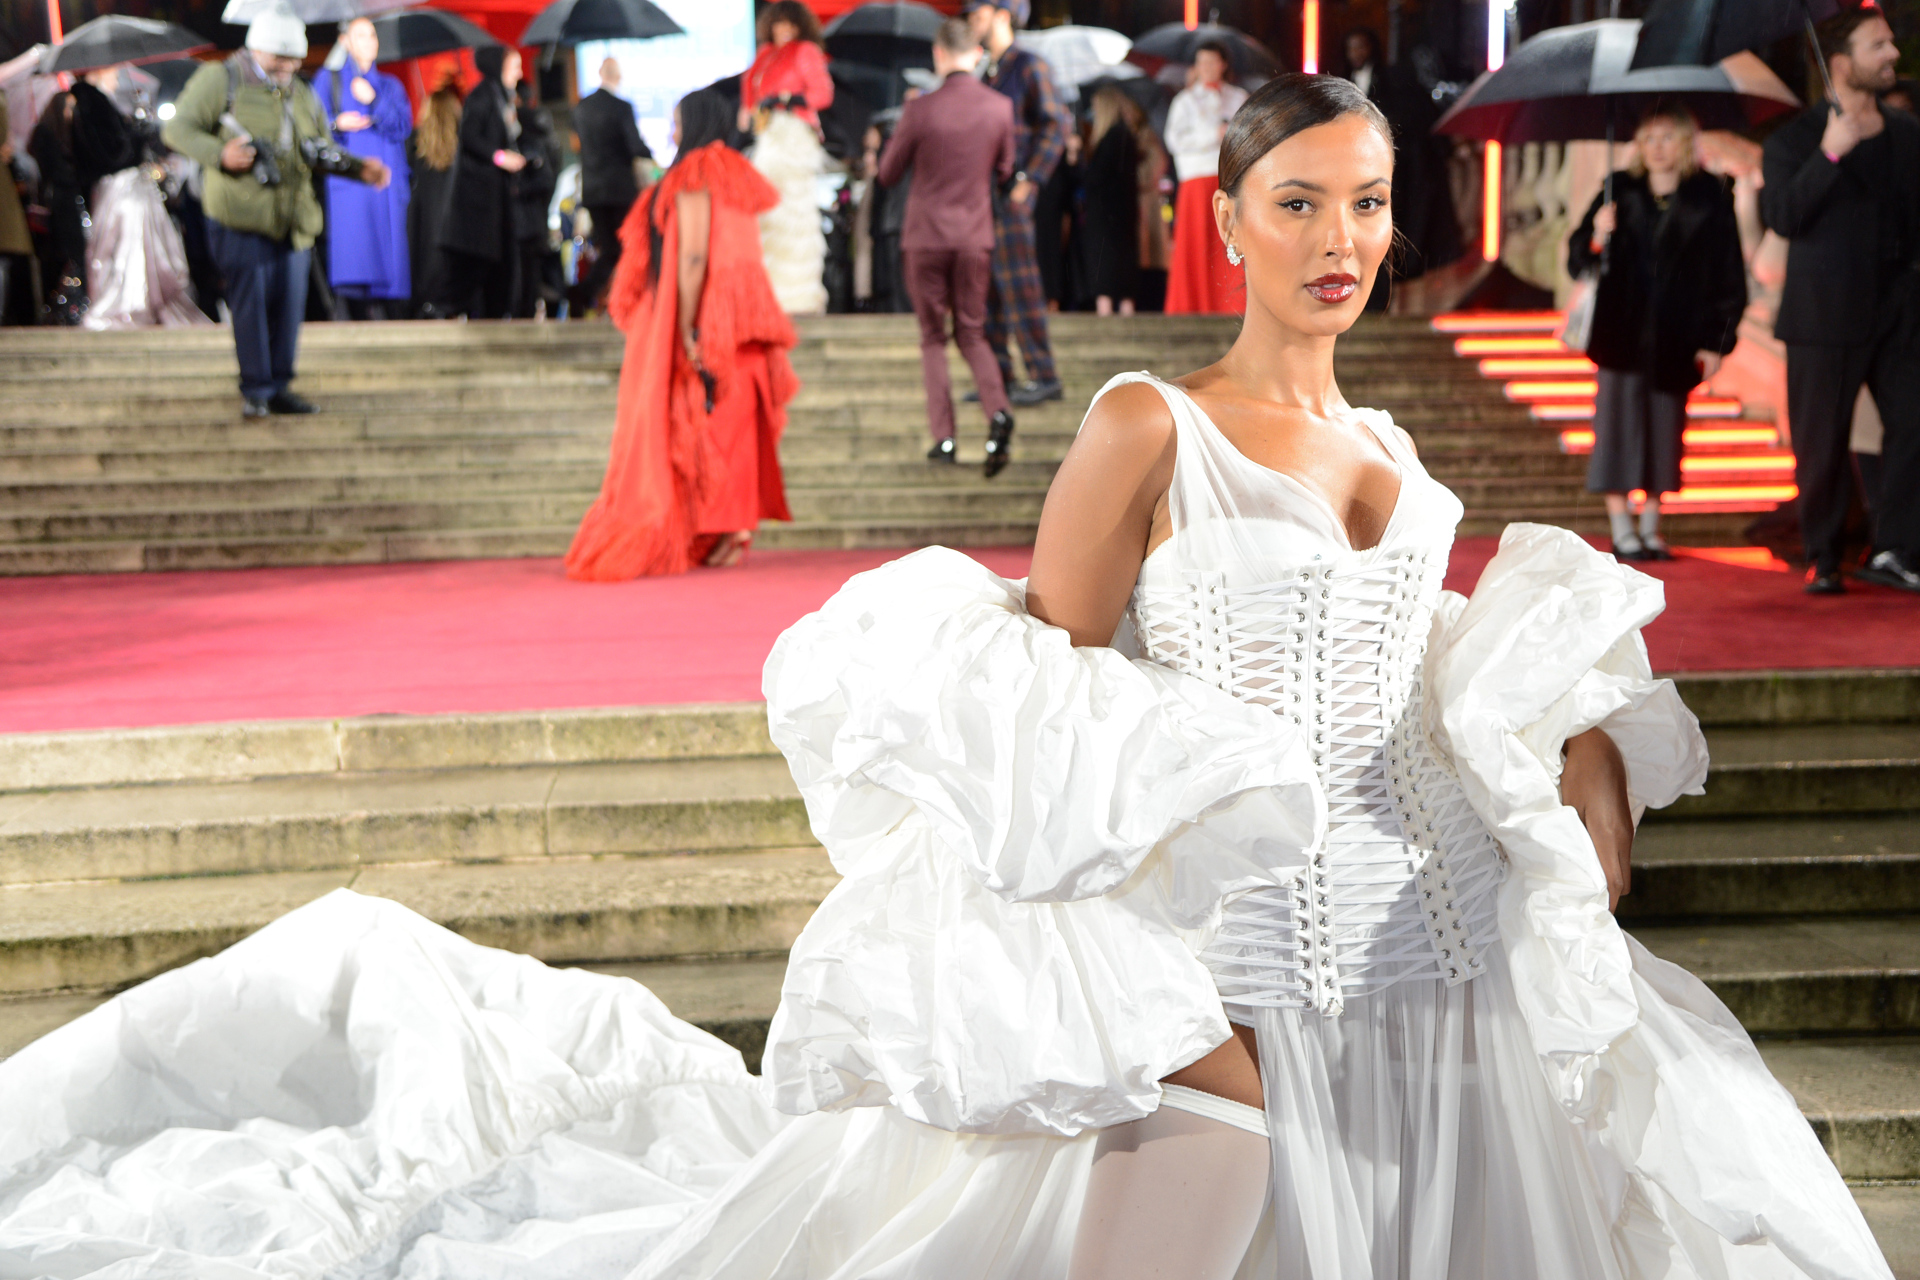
(367, 229)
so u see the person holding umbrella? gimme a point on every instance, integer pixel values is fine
(1017, 303)
(367, 228)
(1843, 188)
(1672, 286)
(260, 134)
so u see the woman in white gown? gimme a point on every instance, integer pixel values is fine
(1271, 939)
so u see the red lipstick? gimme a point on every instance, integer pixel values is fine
(1334, 287)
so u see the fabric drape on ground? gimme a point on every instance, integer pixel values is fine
(662, 473)
(367, 251)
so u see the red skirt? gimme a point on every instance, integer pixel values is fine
(743, 439)
(1200, 279)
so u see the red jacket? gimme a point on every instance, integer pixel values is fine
(797, 68)
(959, 142)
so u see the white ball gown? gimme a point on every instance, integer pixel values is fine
(1322, 802)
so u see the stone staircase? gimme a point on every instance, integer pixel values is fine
(669, 845)
(125, 451)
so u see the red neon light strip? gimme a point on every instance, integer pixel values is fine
(1499, 322)
(1541, 389)
(1509, 347)
(1511, 366)
(1309, 36)
(1582, 410)
(1490, 221)
(1580, 439)
(1193, 14)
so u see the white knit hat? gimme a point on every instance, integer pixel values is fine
(277, 31)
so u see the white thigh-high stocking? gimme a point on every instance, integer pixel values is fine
(1176, 1194)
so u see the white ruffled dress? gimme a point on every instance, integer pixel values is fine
(1322, 802)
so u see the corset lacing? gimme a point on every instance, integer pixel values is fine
(1402, 888)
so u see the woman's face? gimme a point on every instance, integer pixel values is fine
(1663, 148)
(1209, 68)
(676, 128)
(510, 69)
(784, 32)
(1314, 224)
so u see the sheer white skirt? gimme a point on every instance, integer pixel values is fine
(1413, 1138)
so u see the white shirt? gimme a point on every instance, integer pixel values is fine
(1193, 127)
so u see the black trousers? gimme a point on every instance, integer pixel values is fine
(483, 288)
(606, 246)
(1822, 385)
(266, 290)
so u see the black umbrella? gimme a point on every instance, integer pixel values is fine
(1705, 31)
(1573, 82)
(114, 39)
(416, 33)
(574, 21)
(171, 76)
(1172, 42)
(887, 38)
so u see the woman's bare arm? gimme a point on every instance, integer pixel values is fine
(1099, 514)
(1594, 783)
(693, 215)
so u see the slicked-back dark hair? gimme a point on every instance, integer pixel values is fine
(1283, 106)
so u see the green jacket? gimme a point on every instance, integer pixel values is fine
(288, 211)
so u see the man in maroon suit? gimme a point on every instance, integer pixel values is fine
(958, 140)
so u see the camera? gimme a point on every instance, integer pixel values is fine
(266, 170)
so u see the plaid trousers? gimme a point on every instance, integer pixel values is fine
(1016, 300)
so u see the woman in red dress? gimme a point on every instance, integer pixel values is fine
(705, 382)
(1201, 279)
(790, 69)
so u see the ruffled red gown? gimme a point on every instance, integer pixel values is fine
(680, 475)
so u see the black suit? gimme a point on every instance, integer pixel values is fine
(1850, 313)
(609, 144)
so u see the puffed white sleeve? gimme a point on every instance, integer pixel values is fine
(1035, 840)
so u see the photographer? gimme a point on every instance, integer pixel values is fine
(261, 134)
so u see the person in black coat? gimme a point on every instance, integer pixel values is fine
(533, 187)
(63, 251)
(1843, 188)
(481, 254)
(1672, 287)
(1109, 231)
(610, 144)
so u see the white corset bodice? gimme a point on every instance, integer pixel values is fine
(1258, 593)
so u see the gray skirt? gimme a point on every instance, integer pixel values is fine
(1636, 436)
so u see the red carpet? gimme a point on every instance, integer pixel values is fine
(100, 651)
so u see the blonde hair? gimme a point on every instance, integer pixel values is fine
(437, 133)
(1683, 124)
(1109, 109)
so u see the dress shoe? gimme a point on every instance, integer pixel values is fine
(287, 402)
(1032, 393)
(1628, 549)
(251, 408)
(1891, 569)
(1655, 548)
(999, 443)
(1825, 582)
(942, 451)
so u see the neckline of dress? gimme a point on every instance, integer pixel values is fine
(1312, 494)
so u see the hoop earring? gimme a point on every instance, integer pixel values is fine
(1233, 254)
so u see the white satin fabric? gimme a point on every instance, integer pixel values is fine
(136, 263)
(1039, 843)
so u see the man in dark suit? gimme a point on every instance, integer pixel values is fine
(1843, 187)
(610, 143)
(959, 142)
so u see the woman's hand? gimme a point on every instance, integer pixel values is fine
(1594, 784)
(1606, 220)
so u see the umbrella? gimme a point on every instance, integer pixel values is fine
(1573, 82)
(574, 21)
(420, 33)
(1078, 55)
(1705, 31)
(114, 39)
(889, 37)
(1172, 42)
(170, 77)
(240, 12)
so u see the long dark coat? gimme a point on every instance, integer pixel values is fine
(479, 212)
(1675, 282)
(1109, 230)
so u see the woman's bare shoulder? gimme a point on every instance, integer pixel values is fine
(1132, 418)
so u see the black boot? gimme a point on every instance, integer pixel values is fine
(942, 451)
(999, 443)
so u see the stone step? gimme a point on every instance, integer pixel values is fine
(346, 458)
(1750, 699)
(1862, 1097)
(227, 429)
(1804, 976)
(79, 937)
(1807, 769)
(318, 489)
(1771, 867)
